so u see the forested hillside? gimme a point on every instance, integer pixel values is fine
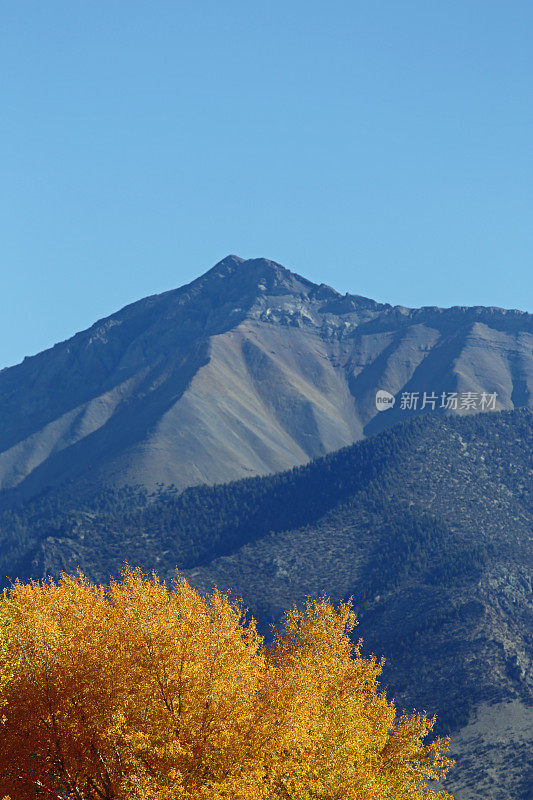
(102, 528)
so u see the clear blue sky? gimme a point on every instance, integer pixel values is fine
(382, 147)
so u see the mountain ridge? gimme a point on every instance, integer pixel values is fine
(223, 266)
(248, 369)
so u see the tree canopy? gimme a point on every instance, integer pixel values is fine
(139, 691)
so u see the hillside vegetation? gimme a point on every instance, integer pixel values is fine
(427, 525)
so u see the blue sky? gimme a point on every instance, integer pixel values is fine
(381, 147)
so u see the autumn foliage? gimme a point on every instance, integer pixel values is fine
(138, 691)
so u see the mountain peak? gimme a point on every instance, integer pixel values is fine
(256, 276)
(249, 369)
(227, 264)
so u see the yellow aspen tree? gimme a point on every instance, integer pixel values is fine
(6, 664)
(139, 691)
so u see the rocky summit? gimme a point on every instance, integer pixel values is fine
(248, 370)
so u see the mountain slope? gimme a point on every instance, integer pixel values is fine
(428, 525)
(248, 370)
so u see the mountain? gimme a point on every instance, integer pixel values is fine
(428, 526)
(248, 370)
